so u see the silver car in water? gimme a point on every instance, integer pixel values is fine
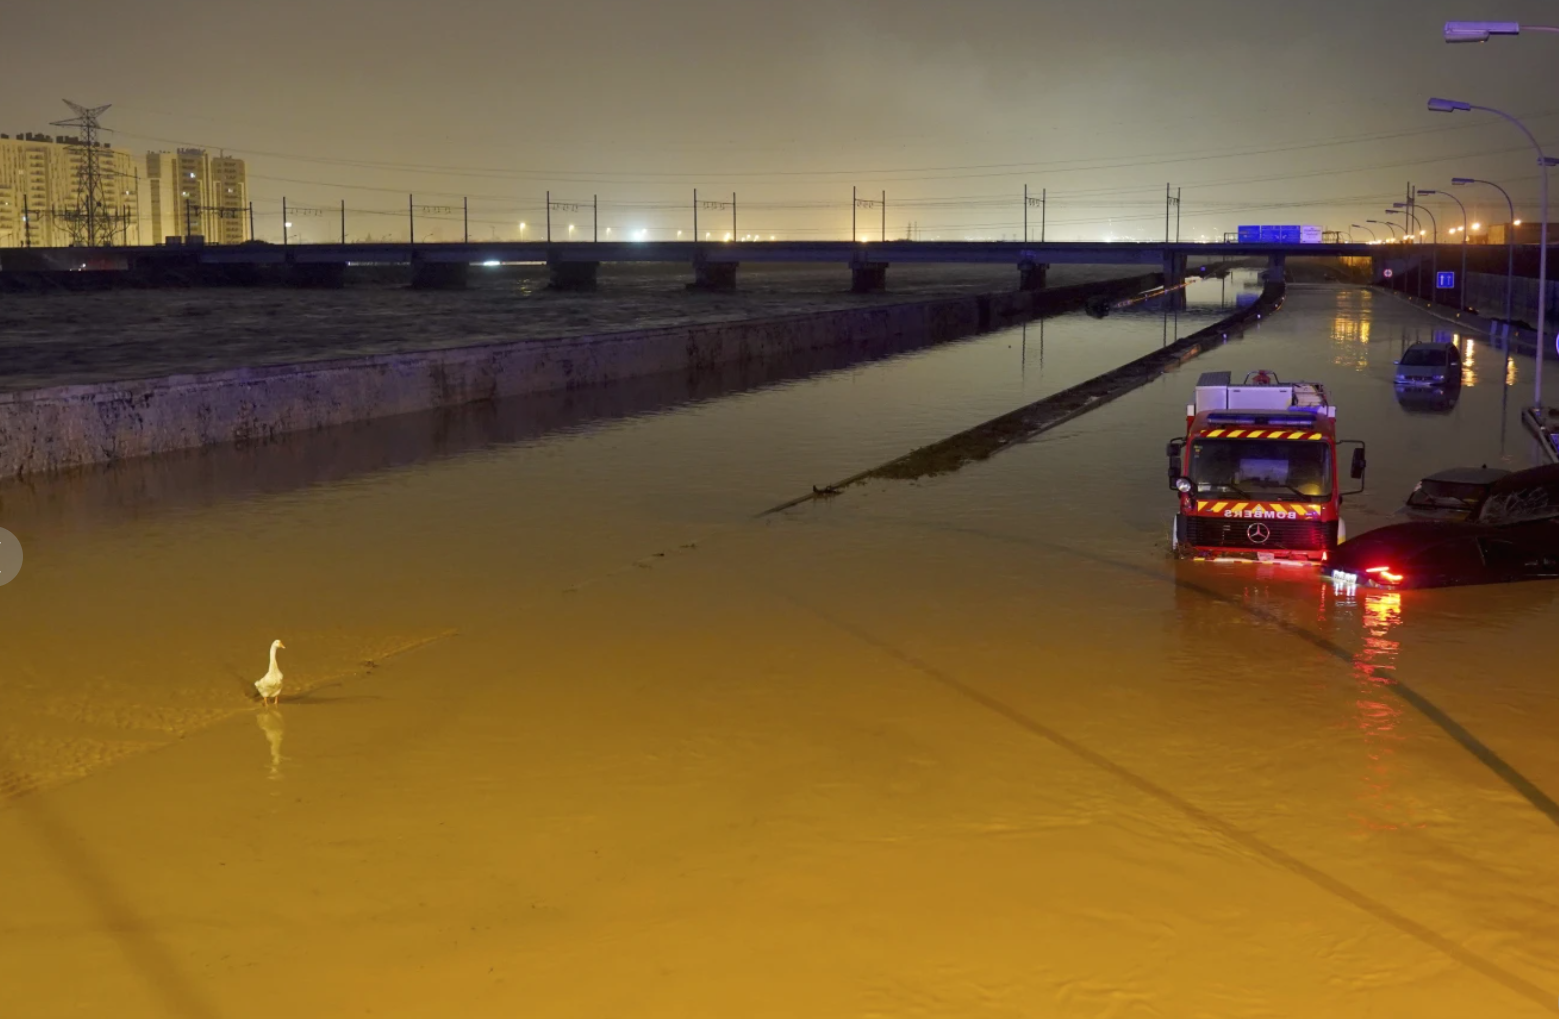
(1430, 364)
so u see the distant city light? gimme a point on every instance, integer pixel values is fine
(1477, 226)
(1518, 222)
(491, 261)
(287, 225)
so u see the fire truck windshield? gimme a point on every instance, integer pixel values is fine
(1262, 468)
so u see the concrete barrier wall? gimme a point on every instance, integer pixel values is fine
(1486, 293)
(71, 426)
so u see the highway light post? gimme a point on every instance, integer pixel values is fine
(1510, 238)
(1434, 254)
(1361, 226)
(1543, 163)
(1461, 289)
(1390, 226)
(1409, 226)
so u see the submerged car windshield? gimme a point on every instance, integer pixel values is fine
(1447, 495)
(1426, 357)
(1269, 469)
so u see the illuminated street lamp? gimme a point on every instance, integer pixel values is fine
(1479, 31)
(522, 231)
(1462, 290)
(1361, 226)
(1543, 163)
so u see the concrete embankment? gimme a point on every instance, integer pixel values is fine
(72, 426)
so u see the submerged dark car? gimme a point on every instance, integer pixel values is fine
(1430, 364)
(1453, 495)
(1513, 536)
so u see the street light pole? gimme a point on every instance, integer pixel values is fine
(1387, 224)
(1361, 226)
(1434, 253)
(1543, 163)
(1510, 239)
(1409, 230)
(1461, 291)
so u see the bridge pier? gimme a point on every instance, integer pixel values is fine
(715, 276)
(572, 275)
(317, 275)
(1277, 268)
(438, 275)
(868, 277)
(1174, 270)
(1031, 275)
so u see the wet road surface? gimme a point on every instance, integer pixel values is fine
(567, 732)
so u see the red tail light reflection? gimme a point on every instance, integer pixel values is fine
(1384, 573)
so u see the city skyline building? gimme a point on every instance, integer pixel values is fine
(40, 191)
(192, 193)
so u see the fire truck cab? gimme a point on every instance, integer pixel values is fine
(1257, 471)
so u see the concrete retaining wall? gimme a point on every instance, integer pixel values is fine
(71, 426)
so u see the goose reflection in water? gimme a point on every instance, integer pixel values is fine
(271, 723)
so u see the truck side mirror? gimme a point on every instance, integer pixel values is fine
(1174, 450)
(1358, 463)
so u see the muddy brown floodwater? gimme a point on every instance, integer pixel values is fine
(567, 731)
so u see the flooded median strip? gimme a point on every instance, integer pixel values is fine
(986, 440)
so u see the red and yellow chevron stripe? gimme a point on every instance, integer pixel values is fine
(1261, 433)
(1257, 510)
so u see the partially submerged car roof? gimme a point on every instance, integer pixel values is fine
(1468, 475)
(1523, 496)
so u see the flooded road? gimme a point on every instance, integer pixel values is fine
(568, 732)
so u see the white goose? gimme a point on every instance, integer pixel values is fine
(269, 684)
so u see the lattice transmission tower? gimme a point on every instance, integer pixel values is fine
(90, 222)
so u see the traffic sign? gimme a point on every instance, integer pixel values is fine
(1388, 274)
(1445, 280)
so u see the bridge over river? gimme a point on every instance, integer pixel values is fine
(574, 264)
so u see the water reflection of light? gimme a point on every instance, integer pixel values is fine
(1376, 717)
(1510, 372)
(1349, 337)
(1468, 347)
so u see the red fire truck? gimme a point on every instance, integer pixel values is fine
(1256, 472)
